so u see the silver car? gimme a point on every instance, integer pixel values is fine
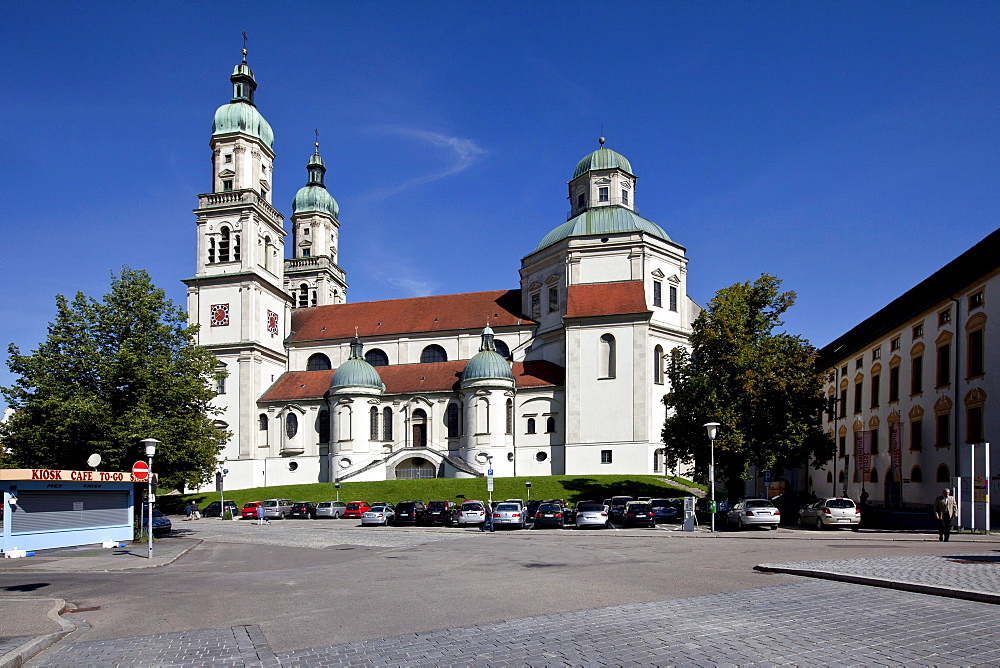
(508, 513)
(472, 512)
(591, 515)
(331, 509)
(377, 516)
(277, 509)
(754, 512)
(835, 512)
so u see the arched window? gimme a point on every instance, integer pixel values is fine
(223, 244)
(211, 251)
(606, 356)
(531, 425)
(236, 248)
(483, 416)
(502, 348)
(386, 424)
(510, 417)
(376, 357)
(829, 476)
(291, 425)
(303, 295)
(433, 353)
(874, 477)
(318, 362)
(452, 420)
(550, 425)
(658, 365)
(840, 476)
(943, 473)
(916, 475)
(344, 423)
(267, 252)
(324, 427)
(262, 428)
(418, 423)
(373, 417)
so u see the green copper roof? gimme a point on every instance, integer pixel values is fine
(487, 365)
(356, 373)
(602, 158)
(242, 117)
(315, 198)
(603, 220)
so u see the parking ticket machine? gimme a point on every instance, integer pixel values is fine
(689, 517)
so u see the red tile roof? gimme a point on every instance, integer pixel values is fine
(626, 298)
(410, 379)
(391, 317)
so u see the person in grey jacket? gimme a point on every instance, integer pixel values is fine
(945, 510)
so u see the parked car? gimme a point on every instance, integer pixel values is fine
(410, 512)
(161, 523)
(549, 515)
(590, 514)
(666, 510)
(277, 509)
(472, 511)
(617, 507)
(753, 512)
(249, 511)
(306, 509)
(355, 509)
(508, 513)
(441, 512)
(377, 516)
(638, 513)
(215, 509)
(332, 509)
(531, 509)
(834, 512)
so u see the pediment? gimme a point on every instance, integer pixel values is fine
(658, 273)
(227, 172)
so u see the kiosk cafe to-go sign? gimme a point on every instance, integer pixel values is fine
(47, 508)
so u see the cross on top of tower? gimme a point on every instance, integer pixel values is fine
(244, 46)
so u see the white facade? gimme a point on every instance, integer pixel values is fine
(307, 398)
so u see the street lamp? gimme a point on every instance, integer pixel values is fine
(150, 444)
(528, 485)
(713, 430)
(336, 485)
(222, 491)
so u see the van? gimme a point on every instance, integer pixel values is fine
(277, 508)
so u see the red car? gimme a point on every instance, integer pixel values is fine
(249, 511)
(355, 509)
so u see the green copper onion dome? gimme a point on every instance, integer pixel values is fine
(487, 364)
(240, 115)
(314, 197)
(602, 158)
(356, 373)
(601, 221)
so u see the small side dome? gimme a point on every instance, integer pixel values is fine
(602, 158)
(356, 373)
(487, 364)
(315, 199)
(242, 117)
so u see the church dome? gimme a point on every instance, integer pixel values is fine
(242, 117)
(487, 364)
(601, 221)
(314, 198)
(602, 158)
(356, 373)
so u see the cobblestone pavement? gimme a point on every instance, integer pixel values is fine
(806, 623)
(969, 572)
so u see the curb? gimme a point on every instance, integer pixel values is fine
(20, 655)
(917, 588)
(139, 566)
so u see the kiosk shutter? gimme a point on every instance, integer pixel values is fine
(61, 511)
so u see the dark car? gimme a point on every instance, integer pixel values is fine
(410, 512)
(441, 512)
(215, 509)
(531, 509)
(550, 514)
(617, 507)
(666, 510)
(306, 509)
(161, 523)
(638, 513)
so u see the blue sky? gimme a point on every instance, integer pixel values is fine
(849, 148)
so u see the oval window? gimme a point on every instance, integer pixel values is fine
(510, 456)
(292, 466)
(291, 425)
(345, 462)
(541, 456)
(482, 458)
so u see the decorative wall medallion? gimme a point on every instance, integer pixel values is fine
(220, 315)
(272, 322)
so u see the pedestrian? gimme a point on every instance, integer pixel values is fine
(945, 510)
(193, 511)
(487, 524)
(260, 514)
(187, 512)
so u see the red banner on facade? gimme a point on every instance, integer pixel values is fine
(862, 453)
(896, 449)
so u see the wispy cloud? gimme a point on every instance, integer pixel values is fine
(459, 154)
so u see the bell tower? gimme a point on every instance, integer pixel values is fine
(236, 294)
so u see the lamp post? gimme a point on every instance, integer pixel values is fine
(527, 485)
(150, 444)
(222, 492)
(713, 430)
(336, 486)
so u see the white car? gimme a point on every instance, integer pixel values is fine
(754, 512)
(591, 515)
(377, 516)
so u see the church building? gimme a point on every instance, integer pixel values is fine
(563, 373)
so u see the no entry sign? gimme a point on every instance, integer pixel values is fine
(140, 470)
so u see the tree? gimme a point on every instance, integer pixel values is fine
(761, 386)
(109, 374)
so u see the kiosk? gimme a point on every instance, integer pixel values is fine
(44, 508)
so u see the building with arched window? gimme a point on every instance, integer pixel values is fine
(559, 372)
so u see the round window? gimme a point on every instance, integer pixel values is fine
(510, 456)
(293, 466)
(482, 458)
(344, 462)
(541, 456)
(291, 425)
